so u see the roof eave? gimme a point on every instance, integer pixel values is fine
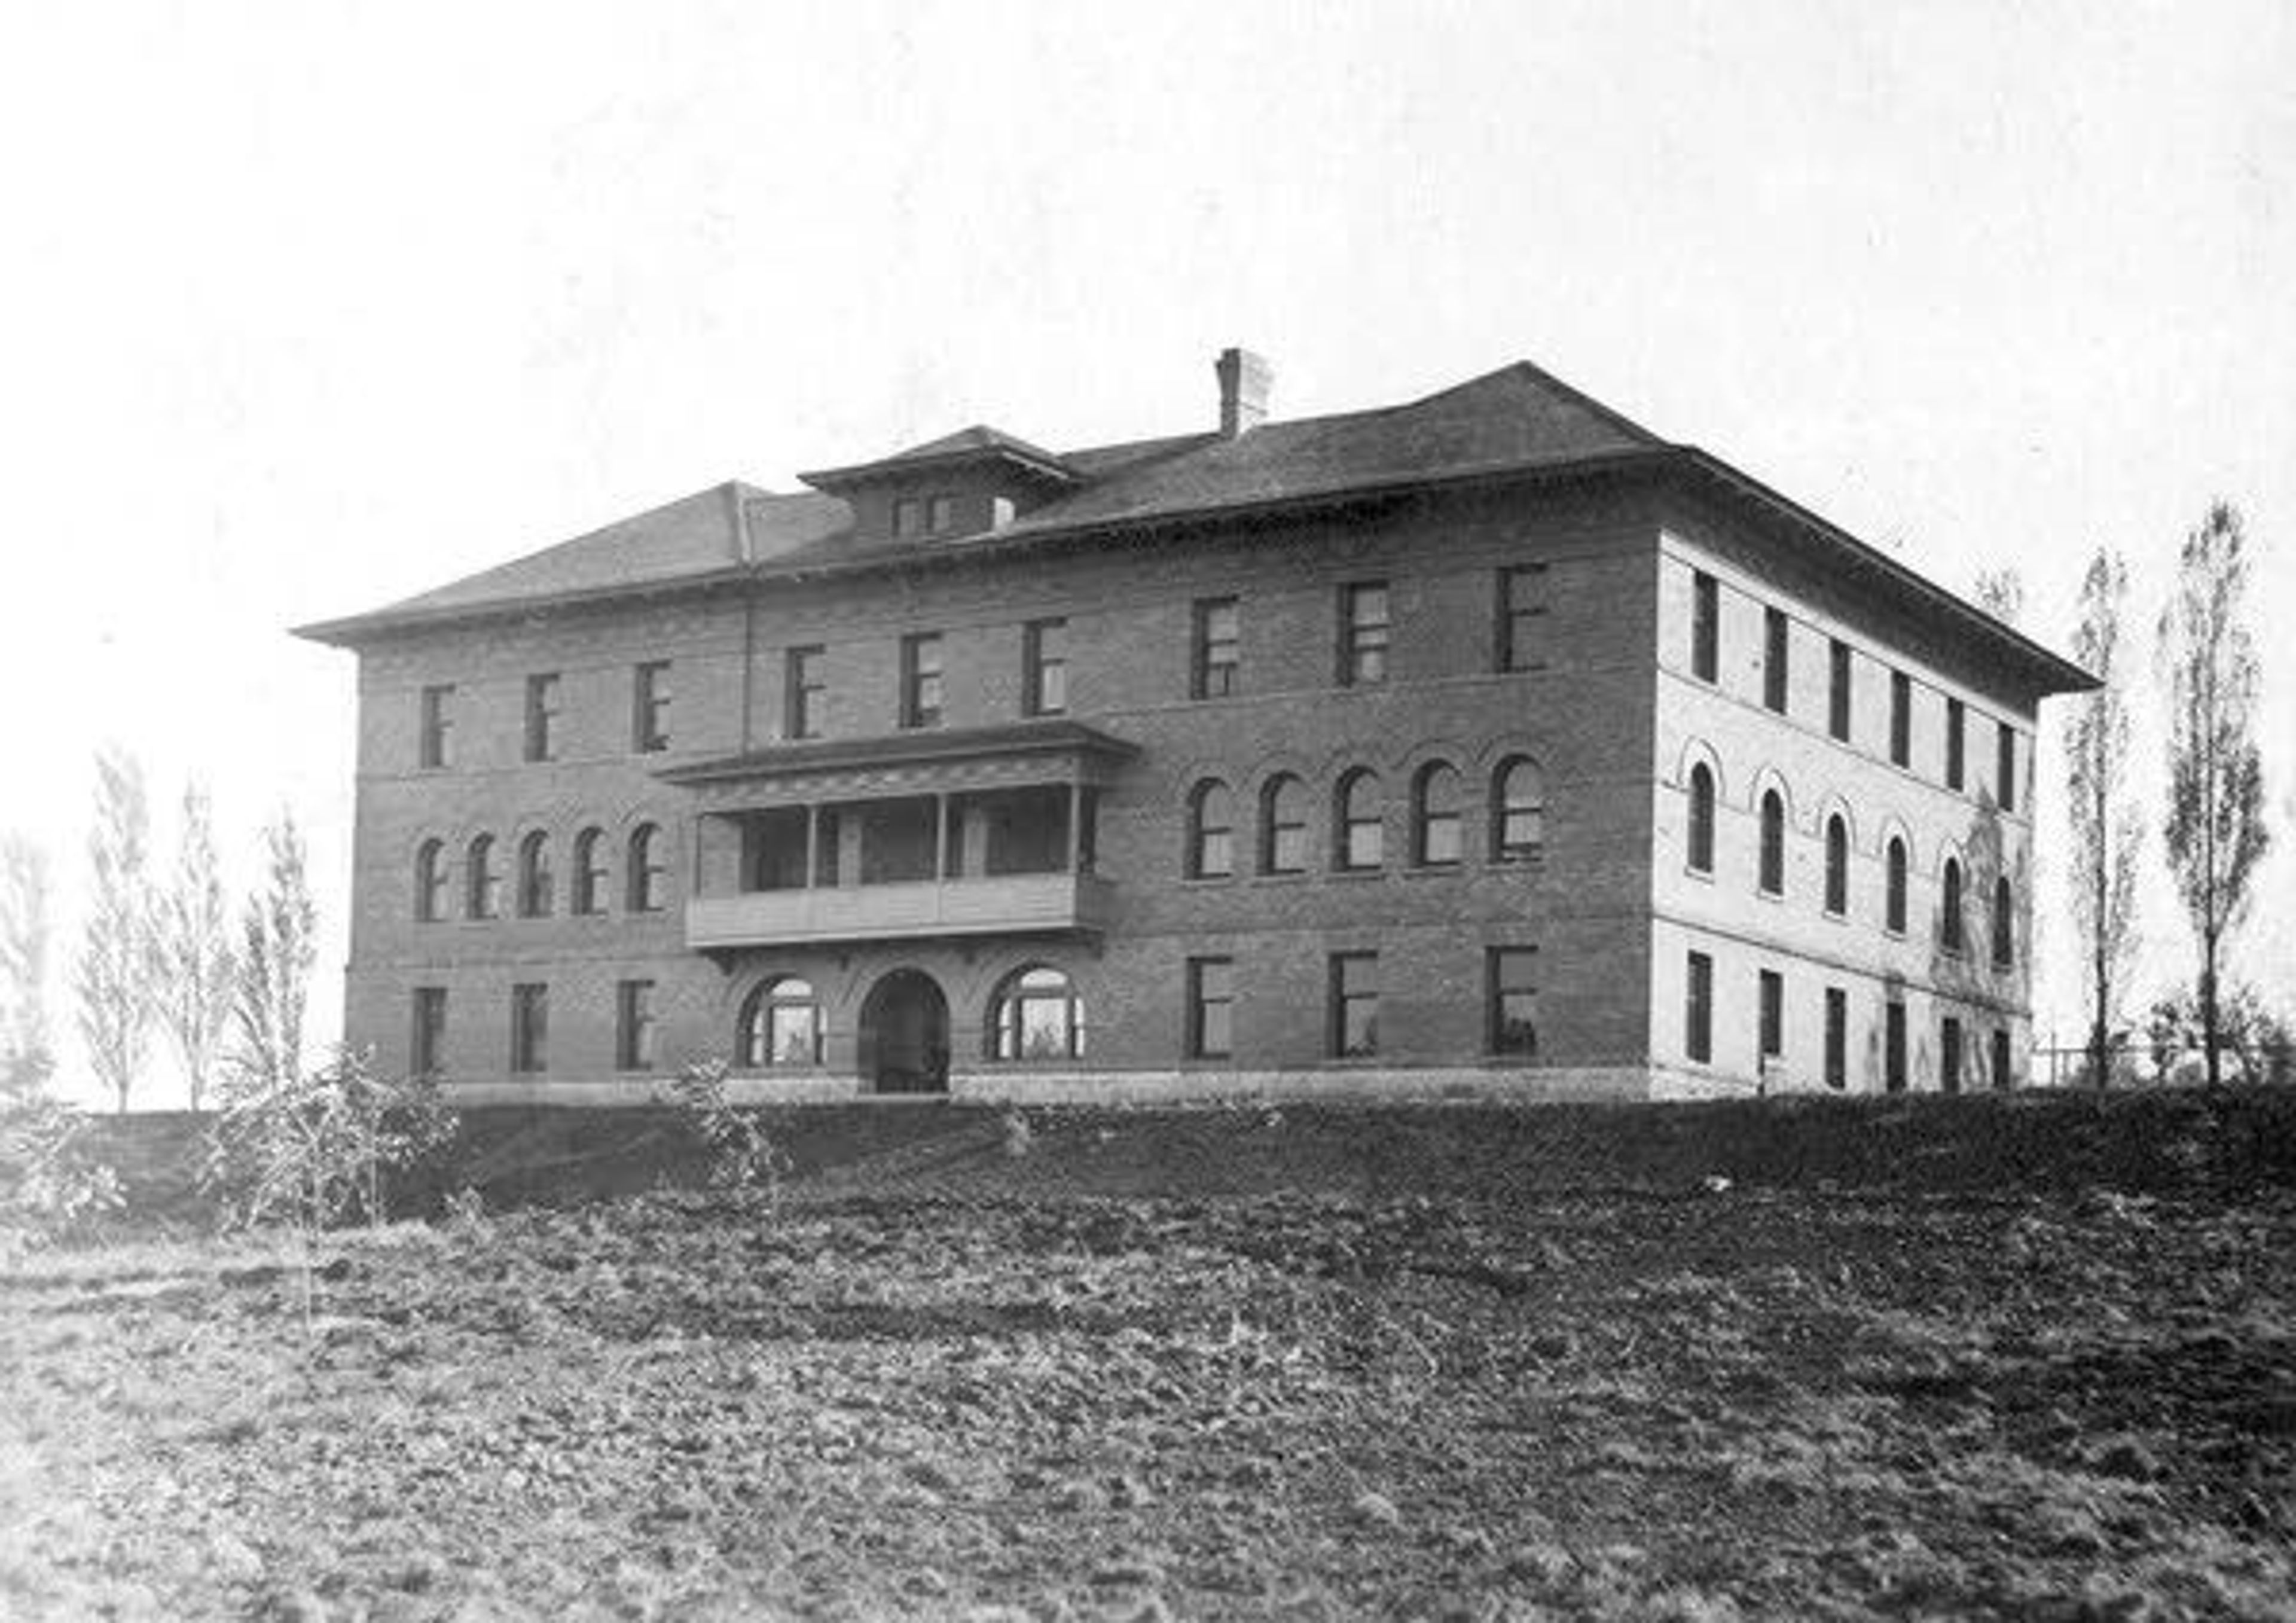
(2056, 674)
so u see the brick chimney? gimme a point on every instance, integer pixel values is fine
(1245, 380)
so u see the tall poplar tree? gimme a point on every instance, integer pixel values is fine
(26, 1058)
(2215, 831)
(2104, 823)
(116, 961)
(278, 945)
(195, 942)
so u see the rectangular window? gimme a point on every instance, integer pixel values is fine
(1218, 643)
(802, 689)
(541, 716)
(1705, 627)
(1698, 1008)
(1949, 1056)
(908, 519)
(2005, 766)
(1513, 973)
(940, 514)
(1956, 724)
(1837, 1038)
(529, 1027)
(1364, 628)
(2001, 1076)
(1837, 698)
(1893, 1046)
(428, 1046)
(1901, 718)
(649, 707)
(1522, 607)
(1354, 1005)
(1773, 1005)
(1211, 1008)
(1776, 632)
(1044, 668)
(438, 727)
(920, 680)
(634, 1025)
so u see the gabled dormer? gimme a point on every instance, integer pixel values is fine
(970, 483)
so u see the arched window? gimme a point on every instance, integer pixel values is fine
(590, 871)
(780, 1025)
(1774, 843)
(1518, 828)
(1895, 915)
(1037, 1015)
(2004, 926)
(1950, 932)
(430, 881)
(1701, 818)
(535, 882)
(1435, 816)
(484, 900)
(1211, 831)
(1360, 820)
(1284, 825)
(1837, 865)
(649, 868)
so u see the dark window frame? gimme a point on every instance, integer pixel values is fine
(1008, 1018)
(1698, 1008)
(2005, 923)
(529, 1027)
(481, 881)
(1837, 1038)
(1896, 883)
(1428, 820)
(1777, 641)
(435, 728)
(1770, 1016)
(1949, 1053)
(1211, 1032)
(1956, 757)
(1366, 637)
(1347, 821)
(1212, 844)
(1045, 675)
(1278, 831)
(1216, 648)
(1513, 813)
(1840, 691)
(647, 870)
(1902, 719)
(803, 685)
(1522, 600)
(923, 696)
(2005, 766)
(1705, 627)
(1498, 986)
(1770, 874)
(433, 882)
(1837, 865)
(637, 1025)
(1343, 997)
(542, 689)
(650, 696)
(1953, 931)
(427, 1041)
(537, 884)
(755, 1026)
(1699, 853)
(592, 880)
(1895, 1073)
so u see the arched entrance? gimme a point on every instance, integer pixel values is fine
(904, 1047)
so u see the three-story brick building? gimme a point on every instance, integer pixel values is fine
(1484, 742)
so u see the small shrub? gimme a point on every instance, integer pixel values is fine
(51, 1188)
(742, 1156)
(314, 1150)
(1018, 1137)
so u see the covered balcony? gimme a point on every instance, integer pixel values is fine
(989, 832)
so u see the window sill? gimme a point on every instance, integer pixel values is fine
(1704, 876)
(1357, 875)
(1286, 877)
(1435, 870)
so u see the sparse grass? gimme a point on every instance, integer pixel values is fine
(999, 1390)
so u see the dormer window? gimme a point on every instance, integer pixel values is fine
(986, 479)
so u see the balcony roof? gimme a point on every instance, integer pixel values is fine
(923, 747)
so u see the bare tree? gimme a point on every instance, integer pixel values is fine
(26, 1058)
(2001, 593)
(194, 944)
(274, 974)
(2105, 827)
(2215, 832)
(115, 960)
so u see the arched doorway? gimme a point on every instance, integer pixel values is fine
(905, 1035)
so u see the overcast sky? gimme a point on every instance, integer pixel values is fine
(309, 306)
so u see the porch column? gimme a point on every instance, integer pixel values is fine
(940, 837)
(1076, 823)
(812, 843)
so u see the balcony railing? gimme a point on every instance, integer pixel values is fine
(1009, 903)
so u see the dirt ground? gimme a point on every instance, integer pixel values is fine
(955, 1381)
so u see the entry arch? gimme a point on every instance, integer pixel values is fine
(903, 1035)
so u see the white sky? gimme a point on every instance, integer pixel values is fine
(303, 307)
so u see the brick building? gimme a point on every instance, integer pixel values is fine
(1486, 743)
